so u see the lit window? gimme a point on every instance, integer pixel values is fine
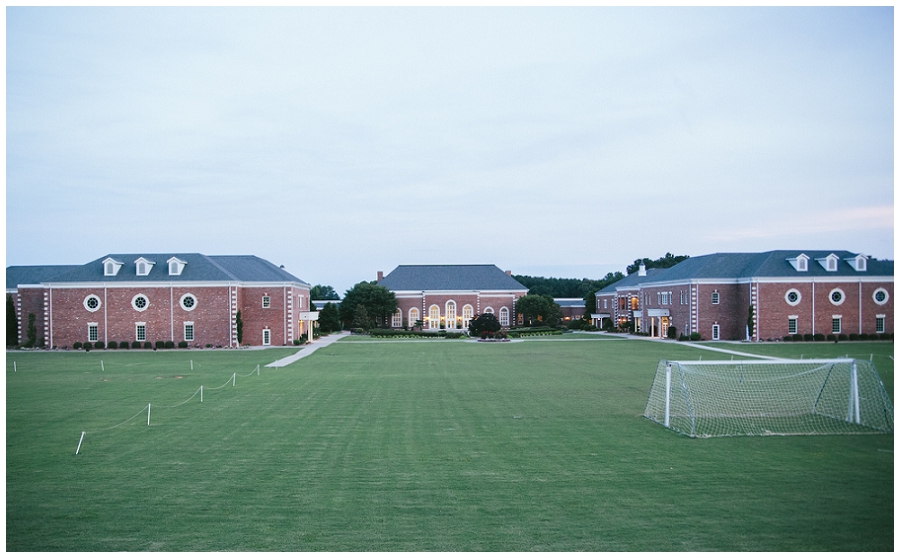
(467, 314)
(188, 331)
(92, 332)
(266, 302)
(140, 332)
(267, 337)
(488, 310)
(504, 316)
(451, 314)
(397, 319)
(434, 317)
(413, 316)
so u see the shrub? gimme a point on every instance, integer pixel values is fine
(819, 337)
(842, 337)
(148, 345)
(798, 337)
(182, 344)
(808, 337)
(886, 336)
(788, 337)
(671, 332)
(863, 336)
(76, 345)
(695, 336)
(832, 337)
(169, 344)
(123, 344)
(86, 346)
(854, 337)
(135, 344)
(112, 345)
(99, 345)
(160, 344)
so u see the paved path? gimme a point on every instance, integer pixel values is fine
(308, 350)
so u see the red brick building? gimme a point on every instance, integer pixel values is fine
(788, 292)
(162, 297)
(450, 296)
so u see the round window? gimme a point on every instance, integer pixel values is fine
(140, 302)
(188, 302)
(836, 297)
(880, 296)
(92, 303)
(792, 297)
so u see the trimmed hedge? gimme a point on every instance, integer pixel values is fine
(403, 334)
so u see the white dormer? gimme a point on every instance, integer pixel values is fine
(857, 262)
(175, 265)
(142, 267)
(800, 263)
(829, 262)
(111, 267)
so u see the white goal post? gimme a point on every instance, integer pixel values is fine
(769, 397)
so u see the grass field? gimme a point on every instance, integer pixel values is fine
(418, 446)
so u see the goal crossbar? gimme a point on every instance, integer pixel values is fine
(769, 397)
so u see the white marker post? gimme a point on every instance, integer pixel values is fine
(101, 367)
(148, 414)
(201, 394)
(192, 364)
(233, 378)
(14, 366)
(79, 443)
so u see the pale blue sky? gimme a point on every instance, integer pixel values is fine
(343, 141)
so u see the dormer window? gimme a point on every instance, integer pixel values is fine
(143, 267)
(857, 262)
(111, 267)
(830, 263)
(175, 266)
(800, 263)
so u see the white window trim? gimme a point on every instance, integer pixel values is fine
(716, 332)
(504, 316)
(488, 310)
(148, 265)
(188, 308)
(176, 266)
(715, 297)
(840, 321)
(137, 327)
(266, 301)
(193, 332)
(796, 320)
(837, 290)
(413, 316)
(887, 296)
(397, 318)
(883, 319)
(116, 266)
(134, 300)
(96, 327)
(267, 337)
(434, 323)
(88, 308)
(788, 294)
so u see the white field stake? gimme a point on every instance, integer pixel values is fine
(257, 370)
(14, 366)
(79, 443)
(192, 364)
(101, 367)
(201, 394)
(233, 377)
(148, 414)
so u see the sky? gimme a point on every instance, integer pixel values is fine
(339, 142)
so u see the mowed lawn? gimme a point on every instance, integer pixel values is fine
(417, 446)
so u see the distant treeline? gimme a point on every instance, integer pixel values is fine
(585, 288)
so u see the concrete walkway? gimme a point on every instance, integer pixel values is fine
(308, 350)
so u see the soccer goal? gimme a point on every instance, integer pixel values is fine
(769, 397)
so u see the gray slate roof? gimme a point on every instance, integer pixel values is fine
(34, 274)
(450, 278)
(762, 264)
(199, 267)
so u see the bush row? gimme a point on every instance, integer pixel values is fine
(839, 337)
(88, 345)
(399, 333)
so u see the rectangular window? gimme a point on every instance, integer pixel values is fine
(836, 325)
(397, 320)
(715, 332)
(93, 333)
(879, 324)
(715, 297)
(188, 331)
(140, 332)
(792, 326)
(267, 337)
(604, 304)
(266, 302)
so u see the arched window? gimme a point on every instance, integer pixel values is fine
(434, 317)
(413, 316)
(397, 319)
(488, 310)
(467, 315)
(504, 316)
(450, 314)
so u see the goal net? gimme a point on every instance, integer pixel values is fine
(777, 397)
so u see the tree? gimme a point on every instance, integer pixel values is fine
(31, 332)
(361, 318)
(378, 301)
(323, 292)
(484, 322)
(664, 262)
(240, 327)
(12, 322)
(538, 310)
(329, 318)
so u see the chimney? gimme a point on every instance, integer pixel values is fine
(642, 271)
(509, 272)
(380, 276)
